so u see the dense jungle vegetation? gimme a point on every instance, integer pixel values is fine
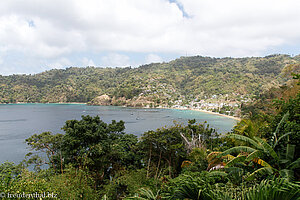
(185, 79)
(257, 160)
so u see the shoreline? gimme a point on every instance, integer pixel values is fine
(63, 103)
(78, 103)
(210, 112)
(204, 111)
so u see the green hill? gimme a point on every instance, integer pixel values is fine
(182, 81)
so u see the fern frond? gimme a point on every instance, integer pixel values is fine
(217, 173)
(287, 174)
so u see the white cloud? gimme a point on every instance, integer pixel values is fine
(53, 29)
(1, 60)
(153, 58)
(115, 60)
(87, 62)
(59, 64)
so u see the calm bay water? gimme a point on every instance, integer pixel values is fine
(18, 122)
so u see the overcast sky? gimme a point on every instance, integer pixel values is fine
(37, 35)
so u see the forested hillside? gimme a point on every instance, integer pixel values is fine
(182, 81)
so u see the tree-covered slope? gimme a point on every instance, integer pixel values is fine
(186, 78)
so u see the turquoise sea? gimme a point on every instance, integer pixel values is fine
(19, 121)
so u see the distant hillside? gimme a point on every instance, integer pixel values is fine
(177, 82)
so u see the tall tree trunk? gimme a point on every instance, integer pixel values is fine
(170, 166)
(158, 165)
(148, 167)
(61, 165)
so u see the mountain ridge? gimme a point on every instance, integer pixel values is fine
(186, 81)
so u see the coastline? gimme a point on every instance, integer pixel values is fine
(62, 103)
(205, 111)
(210, 112)
(78, 103)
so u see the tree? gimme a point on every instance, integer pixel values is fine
(88, 144)
(162, 149)
(101, 148)
(48, 144)
(198, 136)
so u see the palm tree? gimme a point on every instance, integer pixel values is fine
(257, 150)
(260, 152)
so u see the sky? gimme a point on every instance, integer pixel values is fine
(39, 35)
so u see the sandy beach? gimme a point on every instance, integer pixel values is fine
(210, 112)
(205, 111)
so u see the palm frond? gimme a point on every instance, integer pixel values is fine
(237, 149)
(228, 157)
(261, 162)
(238, 159)
(242, 125)
(283, 119)
(244, 139)
(280, 138)
(295, 164)
(254, 154)
(290, 151)
(214, 160)
(267, 148)
(212, 156)
(260, 171)
(233, 170)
